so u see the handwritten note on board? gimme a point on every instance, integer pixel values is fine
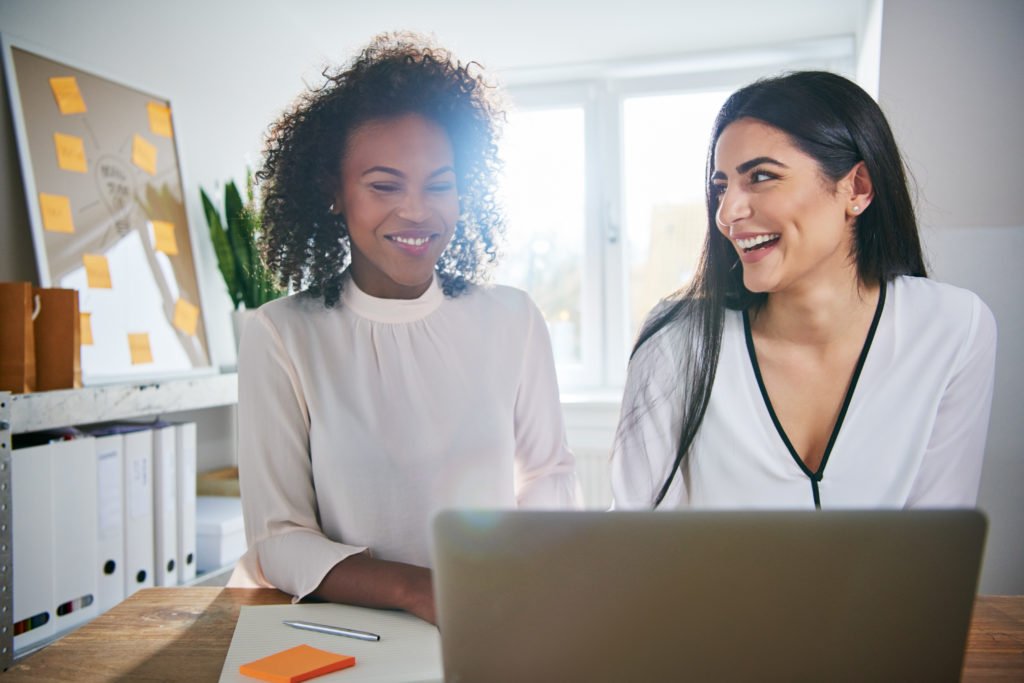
(186, 317)
(97, 271)
(138, 346)
(144, 154)
(70, 153)
(164, 239)
(56, 210)
(159, 119)
(66, 92)
(85, 320)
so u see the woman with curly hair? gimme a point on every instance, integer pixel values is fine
(395, 384)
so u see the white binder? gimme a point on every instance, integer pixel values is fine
(186, 451)
(110, 520)
(165, 505)
(31, 526)
(74, 531)
(138, 511)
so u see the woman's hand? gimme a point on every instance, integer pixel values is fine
(368, 582)
(419, 598)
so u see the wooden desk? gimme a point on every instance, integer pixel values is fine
(183, 634)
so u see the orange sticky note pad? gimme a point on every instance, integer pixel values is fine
(85, 320)
(68, 96)
(164, 239)
(70, 153)
(186, 316)
(144, 154)
(299, 663)
(97, 271)
(159, 119)
(56, 210)
(138, 346)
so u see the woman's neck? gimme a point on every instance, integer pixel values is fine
(822, 315)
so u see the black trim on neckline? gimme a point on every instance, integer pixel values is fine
(815, 476)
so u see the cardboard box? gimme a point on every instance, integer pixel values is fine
(222, 482)
(220, 532)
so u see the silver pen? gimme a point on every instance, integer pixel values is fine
(332, 630)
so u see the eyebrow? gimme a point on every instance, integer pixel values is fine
(747, 165)
(396, 172)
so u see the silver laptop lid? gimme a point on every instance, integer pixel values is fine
(705, 596)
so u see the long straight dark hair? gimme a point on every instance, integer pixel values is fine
(832, 120)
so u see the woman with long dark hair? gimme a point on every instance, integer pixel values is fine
(396, 383)
(810, 362)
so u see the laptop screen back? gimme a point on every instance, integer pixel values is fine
(700, 595)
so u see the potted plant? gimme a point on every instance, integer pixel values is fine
(249, 283)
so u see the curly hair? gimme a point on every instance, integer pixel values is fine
(304, 244)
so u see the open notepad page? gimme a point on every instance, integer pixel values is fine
(409, 649)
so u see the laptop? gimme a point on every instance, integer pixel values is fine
(853, 595)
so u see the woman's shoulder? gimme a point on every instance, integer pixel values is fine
(281, 310)
(947, 310)
(921, 296)
(669, 329)
(494, 300)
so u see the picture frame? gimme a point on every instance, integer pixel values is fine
(105, 196)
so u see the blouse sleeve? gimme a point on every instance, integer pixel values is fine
(647, 436)
(545, 467)
(951, 469)
(287, 548)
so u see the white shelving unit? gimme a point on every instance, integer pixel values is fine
(22, 413)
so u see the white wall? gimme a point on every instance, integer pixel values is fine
(950, 84)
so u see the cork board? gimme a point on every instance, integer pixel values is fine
(104, 193)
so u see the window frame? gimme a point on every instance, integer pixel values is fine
(601, 90)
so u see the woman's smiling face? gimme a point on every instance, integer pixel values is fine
(399, 199)
(789, 224)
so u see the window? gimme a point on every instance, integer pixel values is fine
(604, 186)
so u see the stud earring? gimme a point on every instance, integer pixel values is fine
(856, 209)
(330, 209)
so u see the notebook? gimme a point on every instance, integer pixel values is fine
(409, 650)
(705, 596)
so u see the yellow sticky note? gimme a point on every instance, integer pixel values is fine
(144, 154)
(85, 320)
(97, 271)
(164, 239)
(186, 317)
(70, 153)
(159, 119)
(66, 92)
(138, 345)
(56, 209)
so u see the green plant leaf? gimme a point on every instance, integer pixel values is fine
(222, 248)
(235, 241)
(238, 238)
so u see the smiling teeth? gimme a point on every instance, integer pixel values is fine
(754, 241)
(413, 241)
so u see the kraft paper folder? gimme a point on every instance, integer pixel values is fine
(409, 649)
(165, 505)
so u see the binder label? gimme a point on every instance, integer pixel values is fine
(141, 503)
(109, 490)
